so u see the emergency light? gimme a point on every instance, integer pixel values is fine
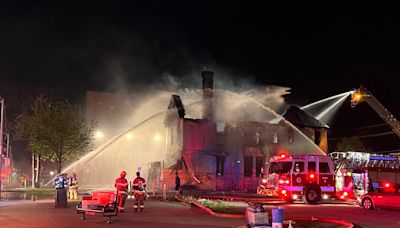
(387, 185)
(282, 155)
(381, 158)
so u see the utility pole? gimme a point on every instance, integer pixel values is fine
(8, 158)
(1, 140)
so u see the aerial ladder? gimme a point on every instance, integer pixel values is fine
(362, 94)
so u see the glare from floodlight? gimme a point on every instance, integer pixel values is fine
(129, 135)
(157, 137)
(99, 134)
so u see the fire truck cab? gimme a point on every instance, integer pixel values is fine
(295, 177)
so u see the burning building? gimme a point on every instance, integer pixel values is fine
(214, 155)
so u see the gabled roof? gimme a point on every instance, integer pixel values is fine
(176, 102)
(301, 118)
(175, 110)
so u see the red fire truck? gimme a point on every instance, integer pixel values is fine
(307, 177)
(343, 175)
(354, 171)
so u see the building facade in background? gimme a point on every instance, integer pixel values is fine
(232, 155)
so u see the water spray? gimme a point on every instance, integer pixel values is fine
(131, 133)
(280, 117)
(93, 154)
(327, 99)
(333, 106)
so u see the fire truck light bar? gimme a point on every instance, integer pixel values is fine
(381, 158)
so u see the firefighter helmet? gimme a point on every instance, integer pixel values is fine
(123, 174)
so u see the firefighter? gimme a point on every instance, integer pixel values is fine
(73, 187)
(121, 184)
(139, 191)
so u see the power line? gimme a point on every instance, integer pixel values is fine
(388, 151)
(365, 136)
(361, 128)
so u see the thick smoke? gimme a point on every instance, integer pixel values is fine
(140, 138)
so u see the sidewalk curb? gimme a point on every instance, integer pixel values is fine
(269, 200)
(216, 214)
(239, 216)
(328, 220)
(209, 211)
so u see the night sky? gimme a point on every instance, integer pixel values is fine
(315, 50)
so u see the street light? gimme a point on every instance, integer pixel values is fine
(99, 134)
(157, 137)
(1, 137)
(129, 135)
(51, 173)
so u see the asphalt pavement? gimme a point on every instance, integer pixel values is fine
(42, 213)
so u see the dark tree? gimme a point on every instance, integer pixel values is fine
(54, 131)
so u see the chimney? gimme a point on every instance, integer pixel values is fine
(208, 86)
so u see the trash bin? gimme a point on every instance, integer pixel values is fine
(277, 217)
(256, 215)
(61, 197)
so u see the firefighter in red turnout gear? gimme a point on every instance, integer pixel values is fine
(121, 184)
(138, 189)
